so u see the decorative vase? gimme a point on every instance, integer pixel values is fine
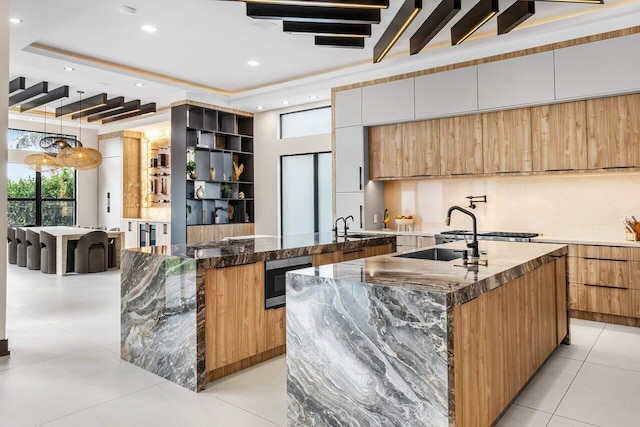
(241, 195)
(212, 174)
(193, 175)
(200, 193)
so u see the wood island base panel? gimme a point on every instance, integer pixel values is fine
(195, 313)
(400, 341)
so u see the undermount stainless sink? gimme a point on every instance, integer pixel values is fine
(434, 254)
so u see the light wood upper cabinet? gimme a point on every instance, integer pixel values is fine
(559, 135)
(506, 141)
(385, 152)
(613, 132)
(420, 148)
(461, 145)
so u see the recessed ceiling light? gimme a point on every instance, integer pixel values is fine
(253, 63)
(285, 102)
(69, 69)
(149, 28)
(313, 97)
(259, 107)
(15, 20)
(139, 84)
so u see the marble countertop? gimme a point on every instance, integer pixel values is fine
(505, 261)
(587, 240)
(248, 249)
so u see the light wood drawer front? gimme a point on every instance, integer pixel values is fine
(605, 272)
(621, 302)
(605, 252)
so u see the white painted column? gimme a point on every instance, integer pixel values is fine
(4, 115)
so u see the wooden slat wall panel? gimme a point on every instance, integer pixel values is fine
(385, 151)
(613, 131)
(559, 136)
(461, 145)
(506, 141)
(500, 339)
(421, 148)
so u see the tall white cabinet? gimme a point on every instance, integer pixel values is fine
(110, 183)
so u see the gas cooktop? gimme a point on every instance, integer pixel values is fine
(492, 235)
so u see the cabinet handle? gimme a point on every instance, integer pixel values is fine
(164, 228)
(604, 286)
(130, 226)
(360, 177)
(606, 259)
(108, 202)
(361, 217)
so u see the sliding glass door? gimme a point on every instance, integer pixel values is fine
(306, 203)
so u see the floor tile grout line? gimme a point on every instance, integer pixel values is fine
(243, 409)
(50, 359)
(102, 403)
(572, 419)
(578, 372)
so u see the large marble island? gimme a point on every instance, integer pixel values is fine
(194, 313)
(390, 341)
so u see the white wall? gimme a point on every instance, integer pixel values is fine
(87, 181)
(572, 205)
(267, 150)
(4, 82)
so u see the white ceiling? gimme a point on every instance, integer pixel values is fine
(202, 47)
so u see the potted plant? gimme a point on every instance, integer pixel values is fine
(225, 190)
(191, 169)
(215, 213)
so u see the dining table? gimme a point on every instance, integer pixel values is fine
(65, 234)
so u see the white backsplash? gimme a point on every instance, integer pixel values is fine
(573, 205)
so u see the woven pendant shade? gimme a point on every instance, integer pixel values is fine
(80, 158)
(41, 163)
(52, 145)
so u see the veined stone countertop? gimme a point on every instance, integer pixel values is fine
(505, 261)
(586, 240)
(250, 249)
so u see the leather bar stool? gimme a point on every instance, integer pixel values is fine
(12, 248)
(33, 250)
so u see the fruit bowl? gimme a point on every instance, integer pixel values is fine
(404, 221)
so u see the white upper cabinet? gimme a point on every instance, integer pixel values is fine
(388, 102)
(351, 204)
(599, 68)
(447, 93)
(348, 108)
(524, 80)
(349, 159)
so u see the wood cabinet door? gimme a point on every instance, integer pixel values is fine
(559, 136)
(420, 148)
(276, 323)
(385, 152)
(461, 145)
(506, 141)
(235, 315)
(613, 132)
(561, 298)
(378, 250)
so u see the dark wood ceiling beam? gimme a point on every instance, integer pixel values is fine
(127, 107)
(441, 15)
(85, 104)
(344, 30)
(145, 109)
(362, 4)
(19, 83)
(349, 42)
(33, 91)
(54, 95)
(313, 14)
(515, 15)
(110, 105)
(398, 25)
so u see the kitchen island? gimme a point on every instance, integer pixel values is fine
(401, 341)
(194, 313)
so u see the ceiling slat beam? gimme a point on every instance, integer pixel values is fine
(313, 14)
(342, 30)
(127, 107)
(145, 109)
(515, 15)
(477, 16)
(330, 41)
(54, 95)
(85, 104)
(33, 91)
(405, 16)
(441, 15)
(19, 83)
(361, 4)
(110, 105)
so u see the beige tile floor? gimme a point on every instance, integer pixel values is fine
(64, 370)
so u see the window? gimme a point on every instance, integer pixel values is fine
(35, 198)
(304, 123)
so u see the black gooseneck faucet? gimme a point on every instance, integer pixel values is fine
(475, 253)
